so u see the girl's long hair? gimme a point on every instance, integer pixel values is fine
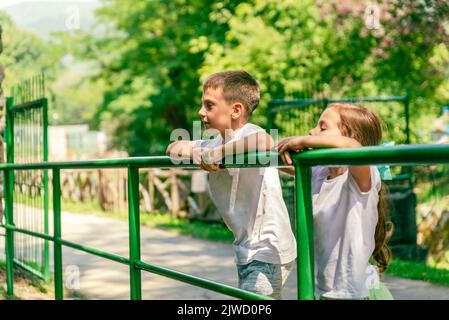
(363, 125)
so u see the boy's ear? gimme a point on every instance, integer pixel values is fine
(238, 110)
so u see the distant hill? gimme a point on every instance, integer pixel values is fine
(46, 17)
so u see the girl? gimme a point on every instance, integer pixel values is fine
(351, 227)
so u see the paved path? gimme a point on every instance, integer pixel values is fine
(104, 279)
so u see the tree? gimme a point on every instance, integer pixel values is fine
(293, 44)
(149, 57)
(25, 54)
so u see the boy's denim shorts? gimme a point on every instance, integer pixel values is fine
(264, 278)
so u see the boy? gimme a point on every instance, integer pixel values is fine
(249, 200)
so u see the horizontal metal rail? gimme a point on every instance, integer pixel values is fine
(276, 105)
(395, 155)
(29, 105)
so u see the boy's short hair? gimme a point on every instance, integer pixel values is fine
(237, 86)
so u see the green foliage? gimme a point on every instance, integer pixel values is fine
(24, 54)
(279, 43)
(150, 57)
(138, 74)
(418, 271)
(74, 96)
(154, 55)
(290, 45)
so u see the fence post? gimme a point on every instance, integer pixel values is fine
(8, 182)
(304, 232)
(407, 120)
(134, 233)
(174, 193)
(325, 102)
(57, 248)
(408, 170)
(46, 266)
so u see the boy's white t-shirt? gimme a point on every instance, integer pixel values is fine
(345, 220)
(250, 202)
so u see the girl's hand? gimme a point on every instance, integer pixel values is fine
(292, 144)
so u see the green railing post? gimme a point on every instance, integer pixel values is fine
(46, 264)
(304, 233)
(57, 247)
(325, 102)
(9, 130)
(134, 233)
(408, 170)
(407, 119)
(8, 182)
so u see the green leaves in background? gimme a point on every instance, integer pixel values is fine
(138, 73)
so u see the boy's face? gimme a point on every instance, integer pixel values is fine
(216, 112)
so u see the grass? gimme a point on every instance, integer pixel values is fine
(418, 271)
(28, 287)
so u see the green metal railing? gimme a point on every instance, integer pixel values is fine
(27, 142)
(401, 155)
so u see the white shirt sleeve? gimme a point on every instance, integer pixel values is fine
(196, 143)
(375, 182)
(247, 130)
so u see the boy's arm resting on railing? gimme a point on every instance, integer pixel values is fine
(180, 149)
(209, 158)
(362, 175)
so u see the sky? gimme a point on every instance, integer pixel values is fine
(7, 3)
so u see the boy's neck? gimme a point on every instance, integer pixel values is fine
(229, 133)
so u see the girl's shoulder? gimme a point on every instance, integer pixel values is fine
(320, 175)
(376, 182)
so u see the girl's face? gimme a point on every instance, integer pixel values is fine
(328, 124)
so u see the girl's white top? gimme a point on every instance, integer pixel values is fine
(345, 220)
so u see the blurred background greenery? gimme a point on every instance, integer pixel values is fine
(134, 68)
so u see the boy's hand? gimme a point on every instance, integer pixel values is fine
(292, 144)
(211, 159)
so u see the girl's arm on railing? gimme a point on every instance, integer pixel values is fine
(362, 175)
